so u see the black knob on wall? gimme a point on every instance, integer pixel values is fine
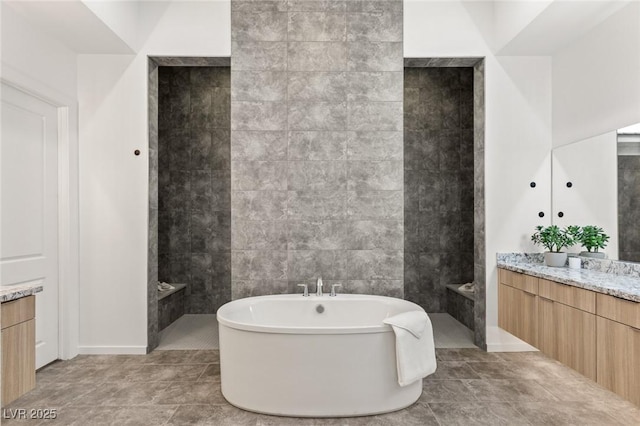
(541, 214)
(560, 214)
(532, 184)
(136, 152)
(569, 184)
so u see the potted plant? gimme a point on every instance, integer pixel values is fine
(554, 240)
(592, 238)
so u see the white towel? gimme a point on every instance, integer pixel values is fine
(415, 347)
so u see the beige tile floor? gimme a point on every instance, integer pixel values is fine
(470, 387)
(190, 332)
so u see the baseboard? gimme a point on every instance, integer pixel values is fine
(112, 350)
(499, 340)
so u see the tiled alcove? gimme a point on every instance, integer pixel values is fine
(452, 207)
(154, 130)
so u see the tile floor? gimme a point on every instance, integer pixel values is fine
(471, 387)
(449, 333)
(190, 332)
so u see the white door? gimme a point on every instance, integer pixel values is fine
(29, 208)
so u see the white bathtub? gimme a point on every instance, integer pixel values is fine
(278, 355)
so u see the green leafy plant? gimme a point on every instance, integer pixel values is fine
(555, 239)
(592, 238)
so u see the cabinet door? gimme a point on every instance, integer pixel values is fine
(576, 339)
(18, 360)
(528, 318)
(547, 336)
(612, 356)
(506, 296)
(633, 363)
(518, 313)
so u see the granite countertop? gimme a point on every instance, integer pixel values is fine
(622, 286)
(13, 292)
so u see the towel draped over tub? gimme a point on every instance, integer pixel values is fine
(415, 347)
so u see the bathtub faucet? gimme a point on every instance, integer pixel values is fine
(333, 289)
(305, 292)
(319, 287)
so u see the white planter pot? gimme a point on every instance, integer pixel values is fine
(593, 254)
(557, 260)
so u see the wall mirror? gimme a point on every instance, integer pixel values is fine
(596, 181)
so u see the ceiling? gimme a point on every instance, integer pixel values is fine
(558, 25)
(73, 24)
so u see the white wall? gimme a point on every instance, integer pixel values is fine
(28, 51)
(596, 83)
(512, 17)
(517, 134)
(34, 61)
(120, 16)
(73, 24)
(112, 92)
(443, 28)
(591, 165)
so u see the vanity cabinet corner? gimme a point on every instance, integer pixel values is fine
(18, 335)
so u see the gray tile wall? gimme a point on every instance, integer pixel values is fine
(461, 308)
(439, 183)
(479, 245)
(194, 202)
(316, 145)
(170, 308)
(152, 237)
(629, 207)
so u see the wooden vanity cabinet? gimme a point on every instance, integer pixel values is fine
(18, 326)
(518, 305)
(568, 335)
(618, 342)
(567, 326)
(595, 334)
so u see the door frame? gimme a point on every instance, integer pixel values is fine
(68, 189)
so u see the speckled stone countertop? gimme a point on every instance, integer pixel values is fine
(14, 292)
(623, 286)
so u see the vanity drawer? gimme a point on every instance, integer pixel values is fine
(575, 297)
(17, 311)
(517, 280)
(620, 310)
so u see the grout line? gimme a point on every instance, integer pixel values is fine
(434, 414)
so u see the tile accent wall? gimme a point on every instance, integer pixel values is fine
(460, 307)
(628, 207)
(152, 236)
(316, 145)
(439, 183)
(479, 244)
(194, 202)
(170, 308)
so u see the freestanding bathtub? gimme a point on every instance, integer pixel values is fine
(316, 356)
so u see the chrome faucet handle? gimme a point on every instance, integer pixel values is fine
(333, 289)
(306, 290)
